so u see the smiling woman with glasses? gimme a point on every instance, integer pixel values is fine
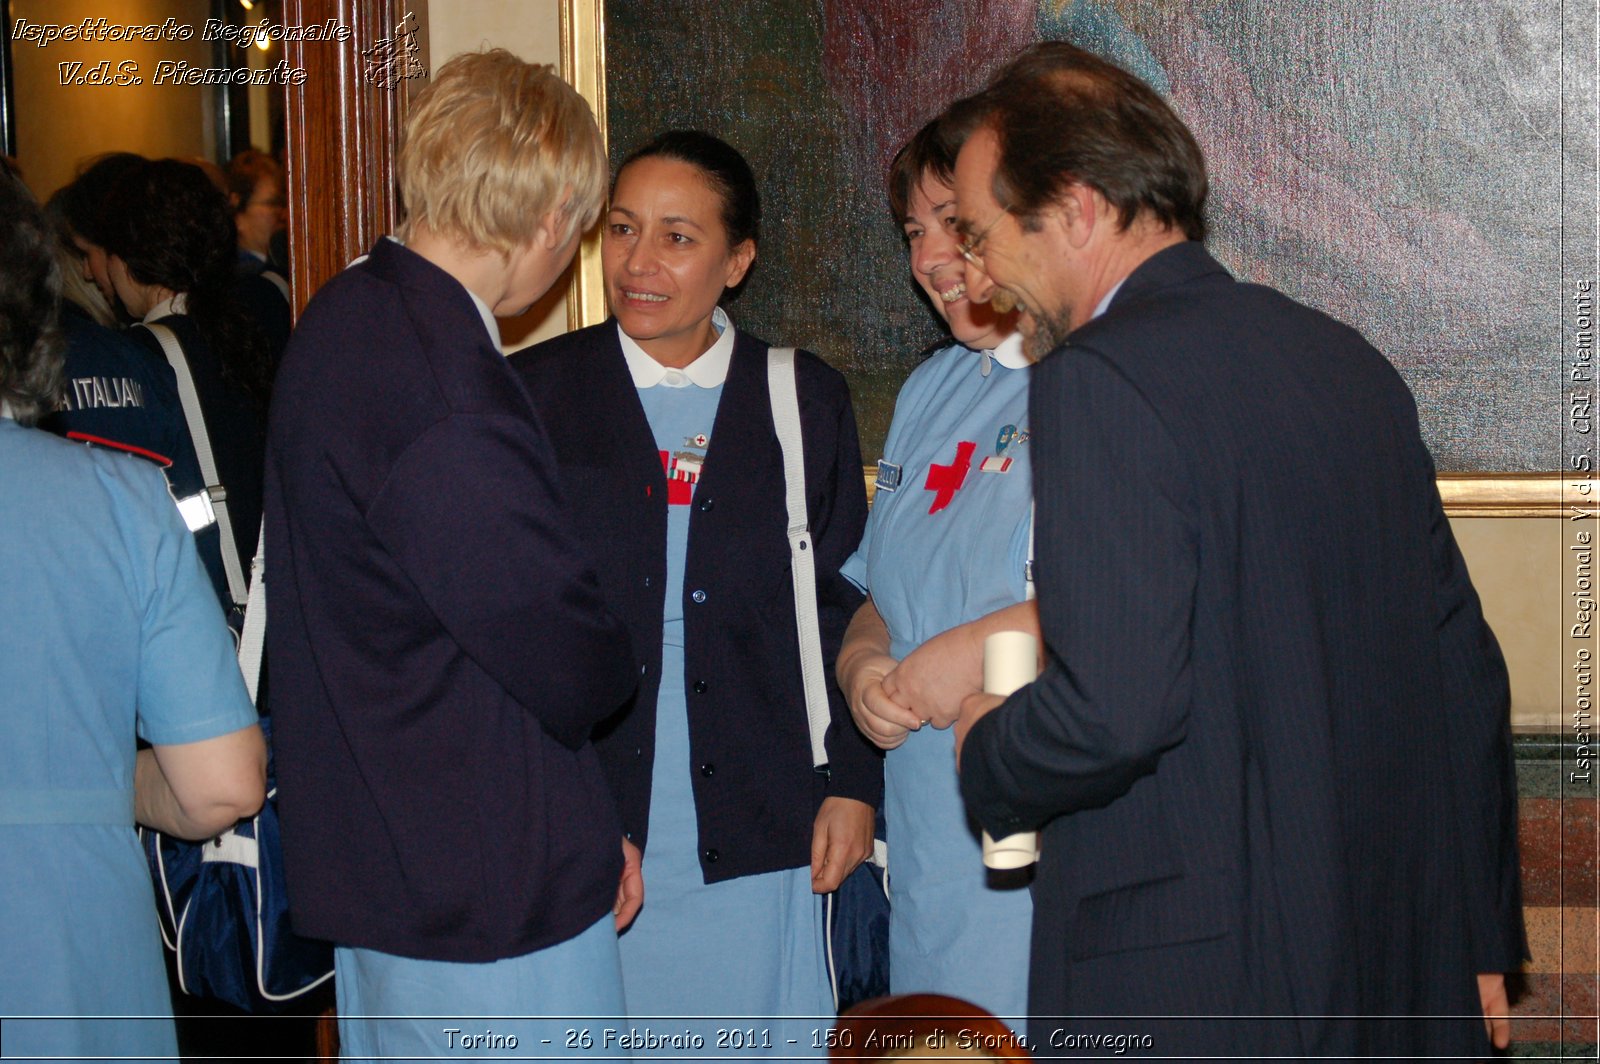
(945, 551)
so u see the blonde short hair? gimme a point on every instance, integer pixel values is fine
(492, 146)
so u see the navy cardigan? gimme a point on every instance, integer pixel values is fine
(756, 793)
(440, 650)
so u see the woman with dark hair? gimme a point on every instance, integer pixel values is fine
(168, 236)
(945, 563)
(683, 496)
(107, 630)
(116, 394)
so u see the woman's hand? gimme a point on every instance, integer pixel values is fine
(630, 891)
(882, 719)
(934, 678)
(863, 663)
(841, 838)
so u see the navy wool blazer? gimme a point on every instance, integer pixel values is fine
(440, 649)
(756, 793)
(1270, 750)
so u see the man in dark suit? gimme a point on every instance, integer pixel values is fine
(1269, 751)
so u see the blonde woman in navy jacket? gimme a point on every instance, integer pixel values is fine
(663, 431)
(440, 650)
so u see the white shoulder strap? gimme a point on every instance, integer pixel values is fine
(786, 419)
(208, 464)
(1029, 590)
(254, 636)
(279, 282)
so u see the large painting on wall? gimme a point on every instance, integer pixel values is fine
(1422, 169)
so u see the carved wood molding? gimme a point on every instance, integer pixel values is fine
(342, 139)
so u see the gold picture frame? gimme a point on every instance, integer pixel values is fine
(583, 64)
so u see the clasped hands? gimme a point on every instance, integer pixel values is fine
(889, 699)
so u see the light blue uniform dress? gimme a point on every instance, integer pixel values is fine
(554, 1002)
(945, 545)
(108, 628)
(743, 952)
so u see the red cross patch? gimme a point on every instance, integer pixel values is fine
(945, 480)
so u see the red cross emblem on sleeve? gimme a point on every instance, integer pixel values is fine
(945, 480)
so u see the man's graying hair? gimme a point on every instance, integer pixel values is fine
(1064, 115)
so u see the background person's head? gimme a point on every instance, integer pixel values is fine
(681, 230)
(257, 192)
(84, 207)
(30, 296)
(168, 232)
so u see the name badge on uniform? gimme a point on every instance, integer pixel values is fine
(888, 476)
(995, 464)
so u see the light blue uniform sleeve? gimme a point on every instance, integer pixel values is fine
(855, 567)
(189, 683)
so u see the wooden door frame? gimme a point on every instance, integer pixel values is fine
(343, 131)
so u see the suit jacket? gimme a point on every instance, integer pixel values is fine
(439, 647)
(1270, 751)
(747, 717)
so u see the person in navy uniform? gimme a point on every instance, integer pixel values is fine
(440, 646)
(663, 429)
(1269, 752)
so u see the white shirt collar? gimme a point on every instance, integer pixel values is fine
(1106, 302)
(489, 324)
(6, 411)
(1009, 353)
(178, 304)
(707, 371)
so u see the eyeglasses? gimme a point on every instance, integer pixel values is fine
(969, 248)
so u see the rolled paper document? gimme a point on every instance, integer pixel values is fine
(1010, 661)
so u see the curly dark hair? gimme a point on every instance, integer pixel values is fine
(31, 347)
(173, 227)
(85, 203)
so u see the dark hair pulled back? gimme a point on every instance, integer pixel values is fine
(724, 169)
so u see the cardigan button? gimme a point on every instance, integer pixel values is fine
(647, 581)
(700, 687)
(698, 595)
(708, 770)
(711, 856)
(706, 505)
